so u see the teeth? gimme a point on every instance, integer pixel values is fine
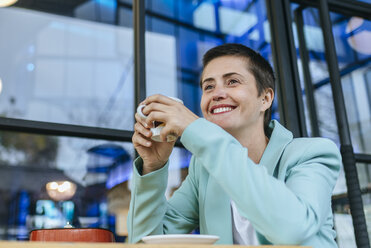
(220, 110)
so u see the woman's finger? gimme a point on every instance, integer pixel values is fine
(156, 116)
(141, 120)
(142, 130)
(139, 140)
(160, 99)
(168, 134)
(154, 106)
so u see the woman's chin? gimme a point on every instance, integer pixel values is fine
(223, 124)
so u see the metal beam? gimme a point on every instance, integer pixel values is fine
(176, 22)
(304, 56)
(285, 63)
(333, 67)
(344, 71)
(48, 128)
(139, 52)
(117, 13)
(363, 158)
(67, 130)
(346, 148)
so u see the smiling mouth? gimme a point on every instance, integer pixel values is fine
(222, 110)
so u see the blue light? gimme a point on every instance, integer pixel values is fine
(31, 49)
(30, 67)
(107, 3)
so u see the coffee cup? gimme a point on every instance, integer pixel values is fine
(158, 126)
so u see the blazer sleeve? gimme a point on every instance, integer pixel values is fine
(150, 213)
(285, 212)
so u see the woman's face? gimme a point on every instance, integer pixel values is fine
(230, 96)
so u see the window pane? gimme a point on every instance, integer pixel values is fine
(351, 35)
(99, 169)
(66, 70)
(162, 7)
(195, 28)
(343, 219)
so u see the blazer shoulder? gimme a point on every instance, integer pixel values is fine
(316, 145)
(319, 150)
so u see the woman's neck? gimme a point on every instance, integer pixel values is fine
(255, 141)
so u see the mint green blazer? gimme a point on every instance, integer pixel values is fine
(286, 197)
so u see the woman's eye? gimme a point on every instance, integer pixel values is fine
(232, 81)
(207, 87)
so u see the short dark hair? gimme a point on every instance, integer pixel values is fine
(256, 64)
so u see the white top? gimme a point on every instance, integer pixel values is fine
(243, 231)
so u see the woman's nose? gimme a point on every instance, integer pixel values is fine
(219, 94)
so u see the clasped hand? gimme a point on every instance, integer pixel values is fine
(176, 118)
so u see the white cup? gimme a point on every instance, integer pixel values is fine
(158, 126)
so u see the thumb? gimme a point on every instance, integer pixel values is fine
(168, 135)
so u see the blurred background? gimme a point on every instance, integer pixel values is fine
(69, 65)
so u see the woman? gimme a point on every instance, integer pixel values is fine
(249, 181)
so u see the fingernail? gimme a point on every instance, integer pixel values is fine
(145, 124)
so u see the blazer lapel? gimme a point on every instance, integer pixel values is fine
(278, 140)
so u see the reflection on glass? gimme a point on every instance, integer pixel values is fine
(191, 28)
(49, 214)
(61, 191)
(344, 228)
(351, 35)
(359, 32)
(100, 171)
(6, 3)
(29, 162)
(65, 70)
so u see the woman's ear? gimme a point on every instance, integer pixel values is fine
(267, 98)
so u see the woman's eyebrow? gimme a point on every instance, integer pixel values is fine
(229, 74)
(210, 79)
(226, 75)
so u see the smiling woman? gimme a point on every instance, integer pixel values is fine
(250, 182)
(231, 98)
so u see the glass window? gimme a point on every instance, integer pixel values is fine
(162, 7)
(90, 174)
(192, 29)
(66, 63)
(66, 70)
(350, 35)
(98, 171)
(342, 217)
(185, 10)
(368, 85)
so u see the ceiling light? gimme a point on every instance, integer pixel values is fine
(5, 3)
(61, 191)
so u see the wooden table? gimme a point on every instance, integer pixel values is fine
(18, 244)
